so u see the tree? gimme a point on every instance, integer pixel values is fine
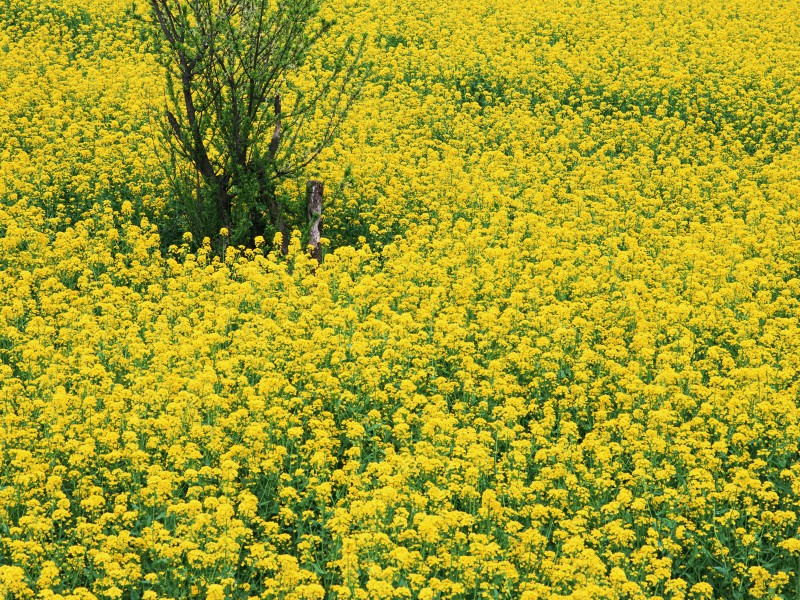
(230, 139)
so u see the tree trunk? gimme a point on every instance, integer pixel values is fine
(267, 195)
(314, 191)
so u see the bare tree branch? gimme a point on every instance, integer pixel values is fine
(226, 62)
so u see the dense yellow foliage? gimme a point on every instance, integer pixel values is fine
(562, 362)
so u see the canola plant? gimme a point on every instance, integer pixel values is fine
(553, 350)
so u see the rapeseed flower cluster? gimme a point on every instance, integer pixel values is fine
(561, 362)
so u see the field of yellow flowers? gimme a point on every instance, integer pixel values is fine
(553, 350)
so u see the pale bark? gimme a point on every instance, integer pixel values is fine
(314, 191)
